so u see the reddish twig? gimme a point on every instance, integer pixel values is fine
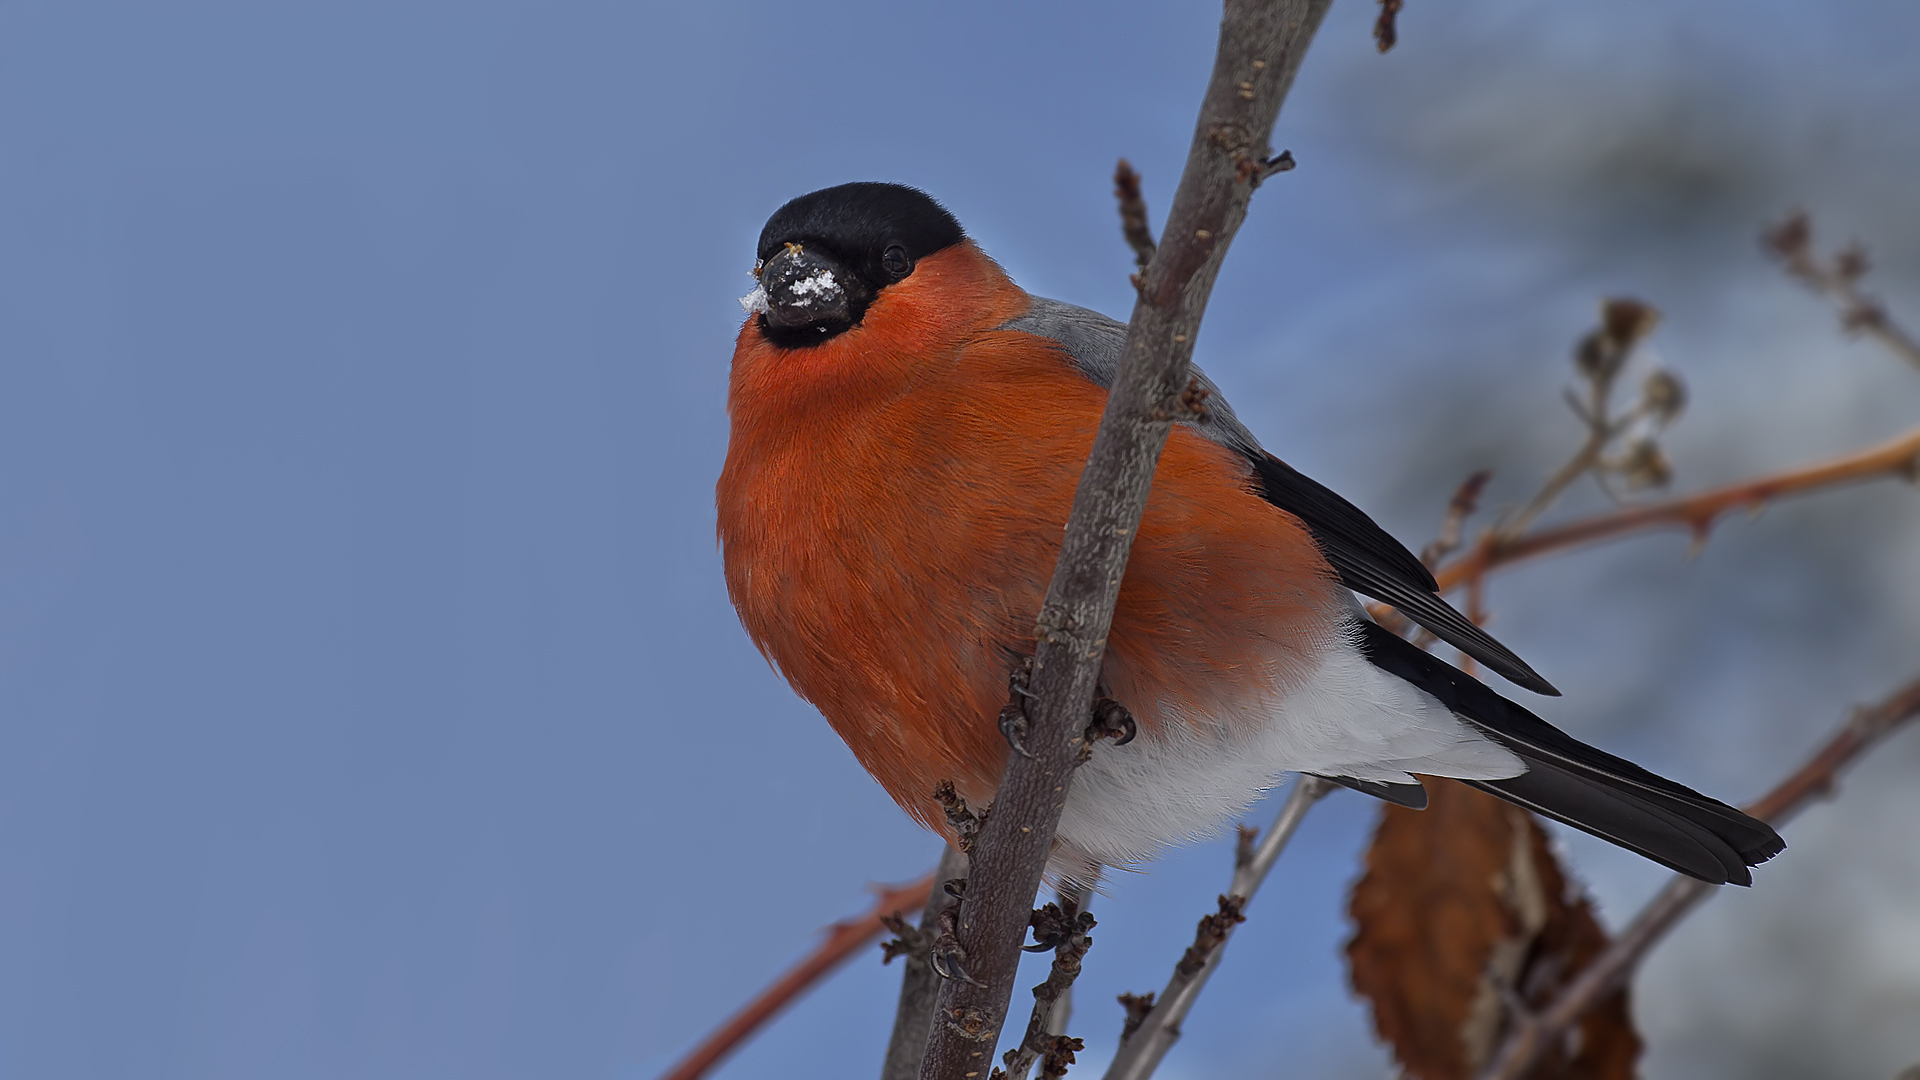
(844, 938)
(1386, 28)
(1260, 47)
(1696, 513)
(1817, 778)
(1466, 499)
(1133, 214)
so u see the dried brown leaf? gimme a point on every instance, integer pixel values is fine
(1462, 912)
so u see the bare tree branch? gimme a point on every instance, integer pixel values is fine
(1386, 28)
(1532, 1035)
(1466, 499)
(1599, 359)
(843, 940)
(1062, 927)
(918, 983)
(1261, 45)
(1696, 513)
(1153, 1026)
(1133, 214)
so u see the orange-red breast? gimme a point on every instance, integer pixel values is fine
(908, 426)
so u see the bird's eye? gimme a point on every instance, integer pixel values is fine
(895, 261)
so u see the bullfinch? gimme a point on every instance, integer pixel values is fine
(907, 429)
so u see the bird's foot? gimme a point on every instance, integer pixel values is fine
(1013, 716)
(948, 956)
(1013, 727)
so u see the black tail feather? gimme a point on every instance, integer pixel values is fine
(1589, 789)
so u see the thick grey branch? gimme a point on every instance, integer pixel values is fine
(1261, 45)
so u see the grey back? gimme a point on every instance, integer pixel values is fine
(1095, 342)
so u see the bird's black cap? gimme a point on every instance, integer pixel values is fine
(858, 222)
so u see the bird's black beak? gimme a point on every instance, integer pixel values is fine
(807, 287)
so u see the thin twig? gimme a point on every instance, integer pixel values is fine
(1386, 28)
(1697, 513)
(1599, 359)
(1079, 895)
(1839, 281)
(843, 940)
(1466, 499)
(1260, 48)
(1063, 926)
(1817, 778)
(1152, 1028)
(1133, 214)
(917, 982)
(1577, 466)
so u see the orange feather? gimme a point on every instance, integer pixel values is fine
(892, 505)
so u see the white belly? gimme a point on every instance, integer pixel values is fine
(1194, 774)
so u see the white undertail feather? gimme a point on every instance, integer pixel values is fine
(1185, 780)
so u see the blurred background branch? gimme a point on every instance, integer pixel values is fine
(1534, 1034)
(843, 939)
(1896, 459)
(1837, 278)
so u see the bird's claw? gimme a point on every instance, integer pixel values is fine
(1013, 716)
(1013, 726)
(947, 955)
(1019, 678)
(947, 965)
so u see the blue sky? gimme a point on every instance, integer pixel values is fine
(370, 704)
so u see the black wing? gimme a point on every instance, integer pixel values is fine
(1589, 789)
(1370, 561)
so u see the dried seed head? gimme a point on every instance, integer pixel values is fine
(1664, 396)
(1597, 357)
(1851, 264)
(1790, 238)
(1627, 321)
(1644, 465)
(1864, 313)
